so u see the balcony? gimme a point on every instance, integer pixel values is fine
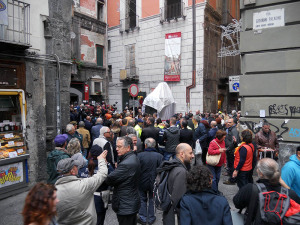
(129, 74)
(15, 25)
(129, 23)
(172, 12)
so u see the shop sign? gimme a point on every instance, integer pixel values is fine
(234, 83)
(172, 57)
(11, 174)
(268, 19)
(3, 12)
(86, 92)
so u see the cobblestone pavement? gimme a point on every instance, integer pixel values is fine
(11, 208)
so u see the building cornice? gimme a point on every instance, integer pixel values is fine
(90, 23)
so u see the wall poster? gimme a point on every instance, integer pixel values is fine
(172, 57)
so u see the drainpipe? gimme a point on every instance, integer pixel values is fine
(58, 109)
(193, 85)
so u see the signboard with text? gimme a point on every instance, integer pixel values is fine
(268, 19)
(234, 84)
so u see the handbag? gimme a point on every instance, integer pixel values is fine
(213, 160)
(198, 149)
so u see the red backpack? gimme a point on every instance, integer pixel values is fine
(277, 208)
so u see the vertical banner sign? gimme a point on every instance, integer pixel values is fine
(172, 57)
(86, 92)
(11, 174)
(3, 12)
(234, 83)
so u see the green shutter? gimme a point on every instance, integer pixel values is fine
(99, 55)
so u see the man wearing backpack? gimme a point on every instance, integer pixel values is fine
(268, 172)
(171, 138)
(176, 185)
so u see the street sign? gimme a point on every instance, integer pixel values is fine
(133, 90)
(234, 83)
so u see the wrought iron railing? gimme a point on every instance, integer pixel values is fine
(172, 11)
(15, 24)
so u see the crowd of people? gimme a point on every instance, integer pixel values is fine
(103, 151)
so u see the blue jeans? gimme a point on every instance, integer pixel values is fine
(168, 155)
(146, 212)
(216, 172)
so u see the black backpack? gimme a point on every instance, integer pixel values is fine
(161, 195)
(277, 208)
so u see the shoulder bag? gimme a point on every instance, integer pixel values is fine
(213, 160)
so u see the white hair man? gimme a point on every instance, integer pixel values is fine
(104, 141)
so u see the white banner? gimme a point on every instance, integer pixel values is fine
(268, 19)
(11, 174)
(3, 12)
(172, 57)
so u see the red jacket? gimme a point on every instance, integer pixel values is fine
(213, 149)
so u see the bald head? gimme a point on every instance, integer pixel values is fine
(213, 123)
(184, 153)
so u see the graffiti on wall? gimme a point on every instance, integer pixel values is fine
(256, 127)
(284, 110)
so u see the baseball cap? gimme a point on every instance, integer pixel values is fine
(65, 165)
(60, 139)
(140, 121)
(95, 150)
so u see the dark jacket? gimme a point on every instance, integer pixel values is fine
(52, 160)
(171, 138)
(191, 124)
(206, 206)
(123, 131)
(150, 160)
(150, 132)
(95, 131)
(201, 134)
(242, 198)
(211, 134)
(229, 143)
(187, 136)
(176, 180)
(125, 179)
(88, 125)
(266, 140)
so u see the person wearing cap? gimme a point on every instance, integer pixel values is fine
(138, 127)
(290, 173)
(76, 195)
(101, 195)
(55, 156)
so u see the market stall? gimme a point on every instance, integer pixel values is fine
(13, 151)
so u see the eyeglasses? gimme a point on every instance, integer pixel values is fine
(108, 132)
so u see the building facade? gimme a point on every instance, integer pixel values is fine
(142, 49)
(35, 65)
(89, 46)
(270, 70)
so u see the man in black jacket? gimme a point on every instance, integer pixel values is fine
(172, 139)
(150, 160)
(125, 180)
(179, 167)
(268, 172)
(186, 135)
(150, 131)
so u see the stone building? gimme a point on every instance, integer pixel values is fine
(35, 53)
(137, 51)
(89, 46)
(270, 70)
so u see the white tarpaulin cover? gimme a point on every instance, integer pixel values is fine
(162, 100)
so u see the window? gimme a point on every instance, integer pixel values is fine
(109, 73)
(173, 9)
(100, 54)
(130, 17)
(100, 12)
(108, 45)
